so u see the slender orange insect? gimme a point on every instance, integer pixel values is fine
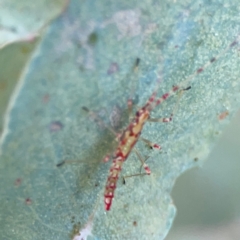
(132, 133)
(129, 138)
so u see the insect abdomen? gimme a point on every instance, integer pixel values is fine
(112, 181)
(129, 138)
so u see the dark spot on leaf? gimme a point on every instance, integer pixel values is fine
(55, 126)
(187, 88)
(233, 43)
(137, 62)
(92, 39)
(72, 219)
(213, 60)
(195, 159)
(28, 201)
(135, 223)
(60, 164)
(18, 182)
(85, 109)
(113, 68)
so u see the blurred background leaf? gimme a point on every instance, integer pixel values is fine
(23, 19)
(21, 23)
(13, 58)
(207, 199)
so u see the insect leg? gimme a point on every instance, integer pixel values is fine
(96, 117)
(130, 107)
(169, 119)
(143, 164)
(67, 162)
(150, 144)
(130, 100)
(133, 175)
(143, 161)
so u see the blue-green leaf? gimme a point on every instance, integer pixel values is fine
(87, 59)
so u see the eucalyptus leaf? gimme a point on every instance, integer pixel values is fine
(87, 59)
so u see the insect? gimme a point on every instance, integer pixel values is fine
(132, 133)
(129, 138)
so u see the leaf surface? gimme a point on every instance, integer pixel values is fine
(87, 59)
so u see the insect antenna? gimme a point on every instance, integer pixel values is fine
(174, 89)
